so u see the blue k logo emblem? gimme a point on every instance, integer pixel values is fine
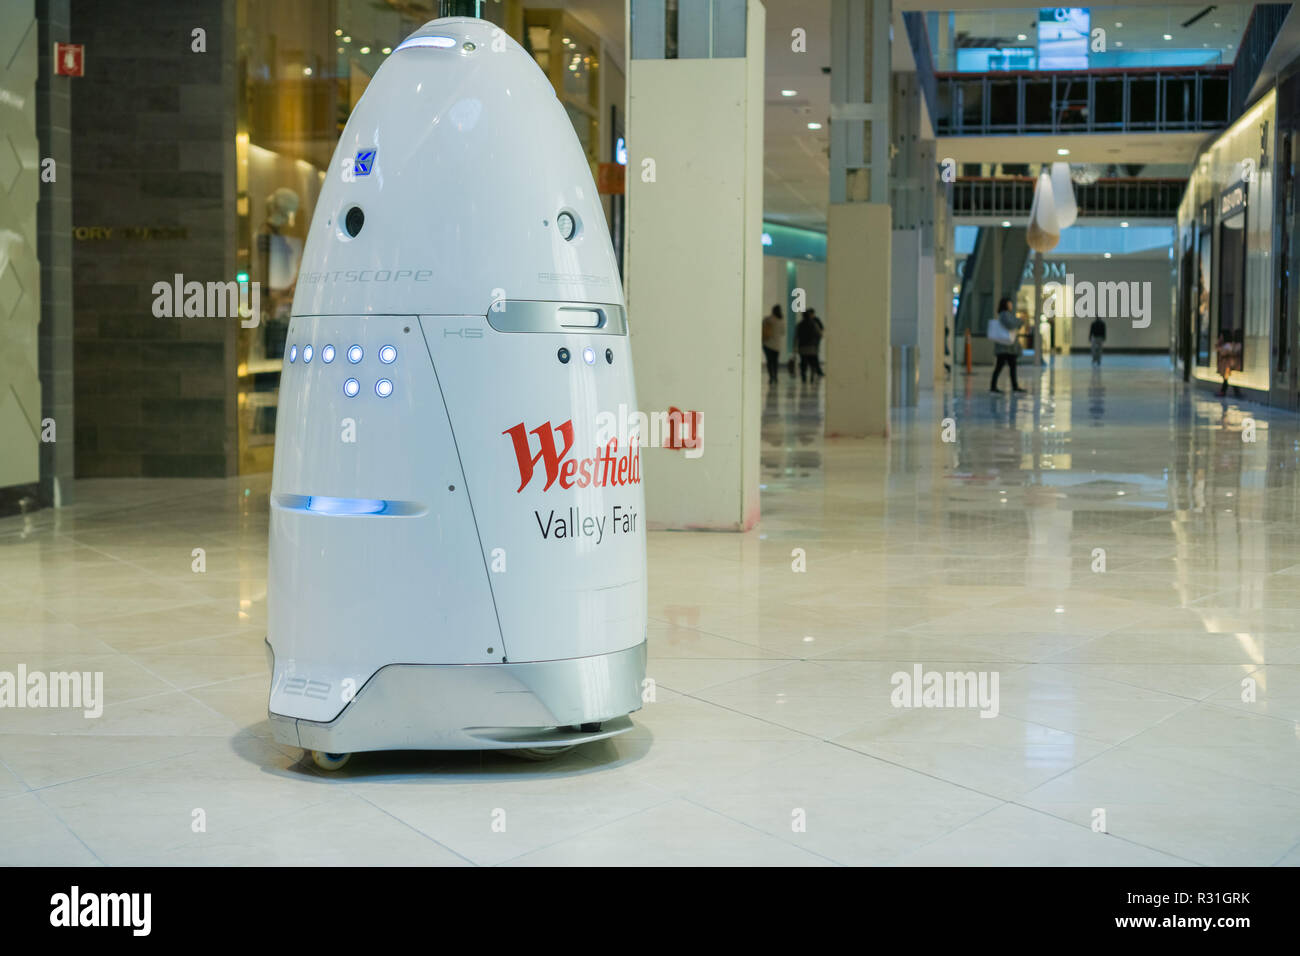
(365, 159)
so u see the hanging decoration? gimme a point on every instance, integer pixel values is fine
(1067, 210)
(1044, 231)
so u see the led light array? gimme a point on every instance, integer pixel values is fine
(355, 353)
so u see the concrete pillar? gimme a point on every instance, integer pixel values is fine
(858, 222)
(913, 190)
(694, 267)
(857, 326)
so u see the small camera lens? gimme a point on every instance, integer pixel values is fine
(353, 221)
(563, 355)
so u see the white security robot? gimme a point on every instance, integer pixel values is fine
(457, 544)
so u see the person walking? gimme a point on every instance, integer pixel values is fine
(773, 332)
(1006, 353)
(1229, 359)
(1097, 338)
(808, 339)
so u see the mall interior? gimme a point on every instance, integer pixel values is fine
(887, 612)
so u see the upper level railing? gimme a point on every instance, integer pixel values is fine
(1113, 198)
(1146, 99)
(1093, 101)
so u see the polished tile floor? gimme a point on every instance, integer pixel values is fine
(1108, 547)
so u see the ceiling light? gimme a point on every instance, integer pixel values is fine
(386, 50)
(365, 49)
(1006, 223)
(814, 125)
(1123, 225)
(1062, 152)
(1119, 42)
(1168, 37)
(347, 39)
(306, 71)
(789, 92)
(1118, 24)
(1021, 36)
(338, 33)
(1105, 255)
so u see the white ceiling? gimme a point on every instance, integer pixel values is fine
(796, 164)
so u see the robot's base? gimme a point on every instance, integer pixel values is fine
(480, 706)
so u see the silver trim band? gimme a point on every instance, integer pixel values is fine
(521, 315)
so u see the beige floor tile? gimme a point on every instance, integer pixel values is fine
(1120, 689)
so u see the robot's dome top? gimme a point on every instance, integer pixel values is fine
(458, 181)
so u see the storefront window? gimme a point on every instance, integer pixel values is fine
(302, 66)
(1232, 274)
(569, 55)
(1231, 195)
(1205, 266)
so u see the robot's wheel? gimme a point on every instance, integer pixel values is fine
(541, 753)
(329, 762)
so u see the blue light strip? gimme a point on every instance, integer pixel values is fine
(326, 505)
(346, 506)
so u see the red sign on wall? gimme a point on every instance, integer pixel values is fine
(69, 59)
(679, 436)
(609, 179)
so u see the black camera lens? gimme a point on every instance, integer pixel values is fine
(563, 356)
(353, 221)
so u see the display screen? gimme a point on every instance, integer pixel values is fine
(1063, 38)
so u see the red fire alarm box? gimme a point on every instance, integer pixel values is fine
(69, 59)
